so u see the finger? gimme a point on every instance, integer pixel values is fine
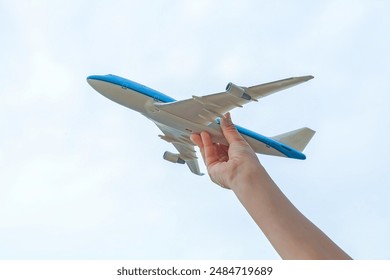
(229, 130)
(197, 140)
(209, 148)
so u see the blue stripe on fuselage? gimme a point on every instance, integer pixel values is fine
(284, 149)
(116, 80)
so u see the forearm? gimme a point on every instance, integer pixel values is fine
(292, 235)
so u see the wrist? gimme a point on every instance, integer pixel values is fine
(249, 177)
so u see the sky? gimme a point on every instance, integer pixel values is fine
(83, 178)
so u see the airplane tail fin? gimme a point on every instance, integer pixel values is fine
(297, 139)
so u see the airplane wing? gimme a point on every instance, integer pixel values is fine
(205, 109)
(183, 145)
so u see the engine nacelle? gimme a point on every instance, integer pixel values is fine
(237, 91)
(173, 157)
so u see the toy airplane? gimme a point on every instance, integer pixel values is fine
(179, 119)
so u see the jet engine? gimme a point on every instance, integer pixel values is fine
(173, 157)
(237, 91)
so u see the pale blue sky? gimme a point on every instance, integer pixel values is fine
(83, 178)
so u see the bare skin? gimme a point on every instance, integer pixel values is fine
(238, 168)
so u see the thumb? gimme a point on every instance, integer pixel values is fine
(229, 130)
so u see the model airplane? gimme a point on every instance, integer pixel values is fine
(179, 119)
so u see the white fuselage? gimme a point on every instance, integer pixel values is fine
(145, 104)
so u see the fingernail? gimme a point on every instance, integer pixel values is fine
(227, 120)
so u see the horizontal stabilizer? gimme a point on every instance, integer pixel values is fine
(297, 139)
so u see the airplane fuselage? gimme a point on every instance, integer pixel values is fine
(143, 99)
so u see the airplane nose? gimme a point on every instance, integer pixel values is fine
(100, 83)
(92, 78)
(93, 81)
